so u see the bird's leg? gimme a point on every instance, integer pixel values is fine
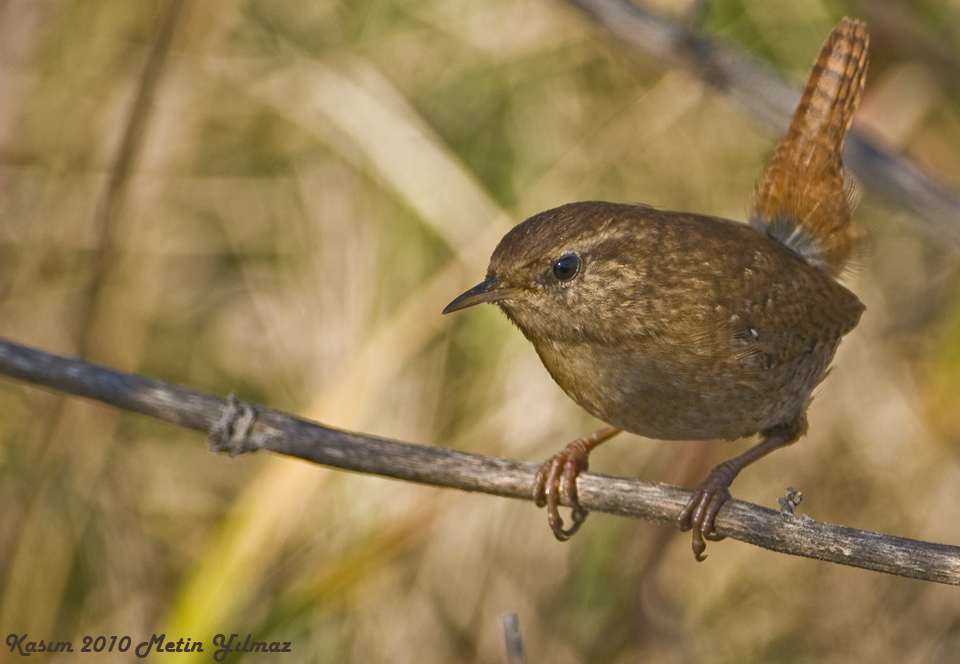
(559, 475)
(700, 512)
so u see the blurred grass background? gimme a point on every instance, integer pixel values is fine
(279, 197)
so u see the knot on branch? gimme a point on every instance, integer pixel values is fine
(231, 433)
(790, 501)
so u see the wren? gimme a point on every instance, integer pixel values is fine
(681, 326)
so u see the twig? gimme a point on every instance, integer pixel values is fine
(513, 639)
(238, 427)
(763, 92)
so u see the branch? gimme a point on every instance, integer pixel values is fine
(763, 92)
(238, 428)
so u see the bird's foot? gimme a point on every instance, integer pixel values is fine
(700, 512)
(557, 479)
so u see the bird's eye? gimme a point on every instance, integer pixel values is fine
(566, 267)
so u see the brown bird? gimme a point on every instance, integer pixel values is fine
(681, 326)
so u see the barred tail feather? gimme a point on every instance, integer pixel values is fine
(801, 200)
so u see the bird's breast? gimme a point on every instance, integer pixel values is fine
(679, 393)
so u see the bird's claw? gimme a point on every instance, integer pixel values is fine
(700, 512)
(556, 479)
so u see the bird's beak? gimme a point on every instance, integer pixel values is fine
(489, 290)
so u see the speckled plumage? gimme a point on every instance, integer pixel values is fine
(679, 326)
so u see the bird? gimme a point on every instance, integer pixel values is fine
(682, 326)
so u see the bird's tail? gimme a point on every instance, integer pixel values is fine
(801, 200)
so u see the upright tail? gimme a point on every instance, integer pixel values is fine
(801, 200)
